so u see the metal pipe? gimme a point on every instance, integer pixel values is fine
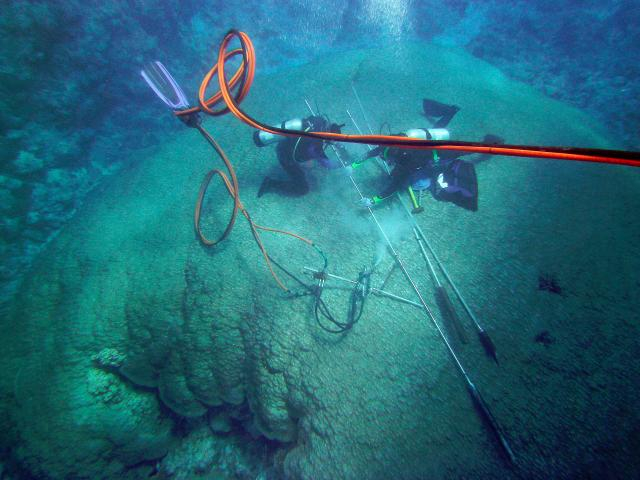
(478, 401)
(374, 290)
(485, 339)
(427, 259)
(448, 312)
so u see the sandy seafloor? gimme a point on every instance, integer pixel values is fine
(384, 400)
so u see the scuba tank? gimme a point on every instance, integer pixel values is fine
(428, 133)
(262, 138)
(420, 181)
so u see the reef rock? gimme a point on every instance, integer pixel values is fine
(128, 324)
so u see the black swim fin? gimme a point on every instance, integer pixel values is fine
(443, 112)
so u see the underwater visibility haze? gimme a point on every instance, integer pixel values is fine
(375, 239)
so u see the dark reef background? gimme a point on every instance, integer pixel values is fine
(74, 108)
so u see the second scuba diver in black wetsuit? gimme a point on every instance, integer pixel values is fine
(448, 177)
(292, 152)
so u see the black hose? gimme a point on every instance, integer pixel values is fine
(356, 305)
(321, 311)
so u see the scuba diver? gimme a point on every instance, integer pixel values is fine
(443, 173)
(294, 152)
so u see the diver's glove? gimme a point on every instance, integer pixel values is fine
(368, 202)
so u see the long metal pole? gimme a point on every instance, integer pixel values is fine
(449, 313)
(473, 390)
(485, 339)
(426, 258)
(374, 290)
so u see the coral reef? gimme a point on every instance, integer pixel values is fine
(132, 350)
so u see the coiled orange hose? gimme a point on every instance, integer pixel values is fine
(231, 183)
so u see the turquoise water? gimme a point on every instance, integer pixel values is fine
(132, 350)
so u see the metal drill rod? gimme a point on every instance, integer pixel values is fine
(373, 215)
(478, 401)
(381, 162)
(448, 312)
(426, 258)
(374, 290)
(388, 276)
(485, 339)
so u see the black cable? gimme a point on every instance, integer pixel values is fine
(320, 308)
(308, 288)
(359, 294)
(355, 310)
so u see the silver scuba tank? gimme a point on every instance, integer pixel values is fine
(262, 139)
(428, 133)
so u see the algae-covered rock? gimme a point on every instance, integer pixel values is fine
(127, 323)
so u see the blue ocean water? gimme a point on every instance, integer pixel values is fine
(134, 350)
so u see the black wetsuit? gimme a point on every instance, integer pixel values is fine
(408, 165)
(293, 151)
(451, 179)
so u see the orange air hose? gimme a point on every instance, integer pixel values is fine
(241, 81)
(245, 75)
(232, 186)
(231, 183)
